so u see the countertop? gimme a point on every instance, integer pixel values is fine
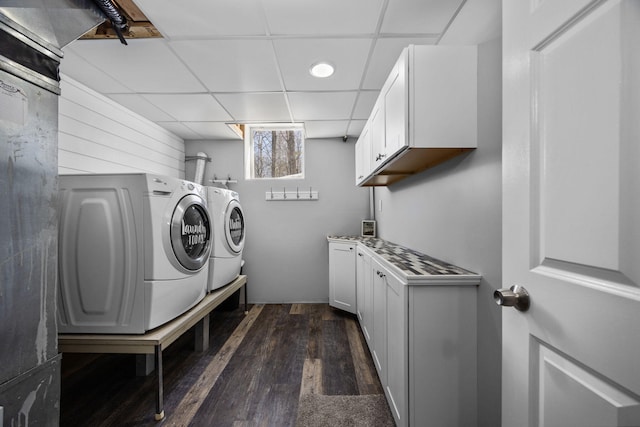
(411, 264)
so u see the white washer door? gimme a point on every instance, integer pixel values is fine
(191, 232)
(234, 226)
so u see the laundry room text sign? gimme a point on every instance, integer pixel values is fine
(195, 231)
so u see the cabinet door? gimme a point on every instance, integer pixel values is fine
(378, 149)
(443, 97)
(360, 265)
(396, 105)
(397, 342)
(364, 294)
(379, 320)
(363, 155)
(342, 276)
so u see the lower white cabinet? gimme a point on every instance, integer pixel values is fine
(421, 332)
(396, 387)
(378, 345)
(442, 348)
(364, 293)
(342, 276)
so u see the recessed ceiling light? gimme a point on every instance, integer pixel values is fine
(321, 70)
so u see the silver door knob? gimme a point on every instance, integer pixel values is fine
(517, 297)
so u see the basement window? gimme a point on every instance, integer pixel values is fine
(274, 151)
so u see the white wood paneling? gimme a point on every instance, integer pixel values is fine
(98, 135)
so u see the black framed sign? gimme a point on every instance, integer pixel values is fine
(368, 228)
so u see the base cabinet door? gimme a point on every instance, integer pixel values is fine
(379, 350)
(364, 293)
(342, 276)
(397, 385)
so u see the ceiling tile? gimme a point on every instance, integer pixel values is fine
(144, 65)
(477, 22)
(211, 130)
(189, 107)
(266, 107)
(355, 127)
(204, 18)
(325, 129)
(364, 104)
(296, 56)
(418, 16)
(86, 73)
(231, 65)
(385, 54)
(142, 106)
(179, 129)
(321, 105)
(248, 60)
(327, 17)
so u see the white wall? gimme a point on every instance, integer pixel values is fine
(286, 251)
(453, 212)
(97, 135)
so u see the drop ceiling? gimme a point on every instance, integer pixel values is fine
(247, 61)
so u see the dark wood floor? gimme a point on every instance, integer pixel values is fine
(253, 374)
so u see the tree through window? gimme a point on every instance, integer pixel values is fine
(274, 151)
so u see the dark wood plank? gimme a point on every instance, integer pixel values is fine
(107, 392)
(252, 374)
(338, 373)
(365, 372)
(206, 376)
(270, 377)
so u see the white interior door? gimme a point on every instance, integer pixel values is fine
(571, 233)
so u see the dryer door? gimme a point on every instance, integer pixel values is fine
(234, 226)
(191, 232)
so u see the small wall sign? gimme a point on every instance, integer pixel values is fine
(368, 228)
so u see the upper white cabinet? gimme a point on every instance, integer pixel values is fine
(376, 137)
(394, 100)
(426, 113)
(363, 154)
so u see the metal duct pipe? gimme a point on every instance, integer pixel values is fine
(201, 159)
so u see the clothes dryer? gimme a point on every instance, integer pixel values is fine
(133, 251)
(228, 242)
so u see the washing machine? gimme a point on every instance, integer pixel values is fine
(133, 251)
(228, 241)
